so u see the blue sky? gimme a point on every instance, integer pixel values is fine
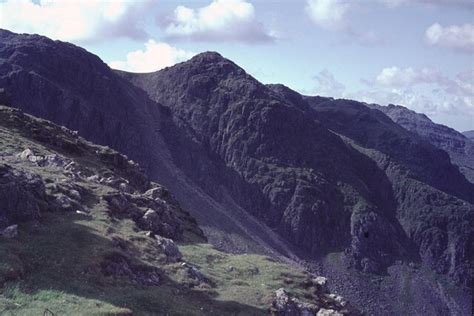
(417, 53)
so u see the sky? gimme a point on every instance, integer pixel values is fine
(415, 53)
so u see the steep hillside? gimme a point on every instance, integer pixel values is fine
(266, 170)
(379, 194)
(83, 231)
(459, 147)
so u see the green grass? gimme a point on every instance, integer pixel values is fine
(55, 265)
(61, 260)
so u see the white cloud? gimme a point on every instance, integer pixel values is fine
(459, 37)
(393, 3)
(332, 15)
(221, 20)
(329, 14)
(446, 3)
(74, 20)
(327, 85)
(399, 77)
(157, 55)
(424, 90)
(445, 99)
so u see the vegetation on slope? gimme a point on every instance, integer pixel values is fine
(84, 250)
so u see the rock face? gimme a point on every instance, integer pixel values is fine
(22, 196)
(281, 165)
(459, 147)
(322, 175)
(273, 149)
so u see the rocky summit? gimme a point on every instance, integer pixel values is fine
(336, 187)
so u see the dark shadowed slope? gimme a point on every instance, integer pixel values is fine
(272, 149)
(279, 164)
(459, 147)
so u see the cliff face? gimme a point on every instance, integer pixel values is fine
(459, 147)
(280, 164)
(317, 175)
(322, 192)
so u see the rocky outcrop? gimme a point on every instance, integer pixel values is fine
(323, 302)
(169, 248)
(27, 190)
(119, 266)
(22, 196)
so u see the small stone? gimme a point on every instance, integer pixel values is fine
(328, 312)
(321, 283)
(25, 154)
(74, 194)
(125, 187)
(10, 231)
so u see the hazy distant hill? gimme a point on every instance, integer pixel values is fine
(459, 147)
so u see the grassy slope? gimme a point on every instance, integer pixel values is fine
(55, 264)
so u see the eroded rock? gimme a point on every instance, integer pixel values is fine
(169, 248)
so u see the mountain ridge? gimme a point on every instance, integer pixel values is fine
(321, 188)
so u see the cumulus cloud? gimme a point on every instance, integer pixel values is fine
(332, 15)
(458, 37)
(424, 90)
(399, 77)
(447, 99)
(448, 3)
(221, 20)
(74, 20)
(327, 85)
(329, 14)
(155, 56)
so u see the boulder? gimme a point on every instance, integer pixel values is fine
(151, 219)
(25, 154)
(22, 196)
(328, 312)
(285, 305)
(169, 248)
(29, 155)
(157, 193)
(321, 283)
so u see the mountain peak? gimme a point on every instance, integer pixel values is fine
(208, 57)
